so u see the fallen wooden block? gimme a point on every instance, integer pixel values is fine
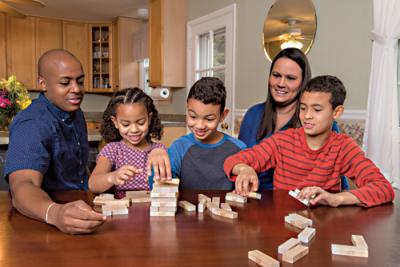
(138, 196)
(359, 248)
(295, 223)
(306, 235)
(298, 217)
(254, 195)
(294, 254)
(288, 244)
(215, 201)
(224, 213)
(226, 206)
(235, 197)
(262, 259)
(202, 196)
(101, 201)
(294, 195)
(187, 206)
(202, 205)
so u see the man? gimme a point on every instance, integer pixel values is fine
(48, 148)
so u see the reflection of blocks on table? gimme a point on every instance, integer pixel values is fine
(186, 205)
(288, 244)
(295, 253)
(359, 248)
(164, 197)
(298, 220)
(262, 259)
(224, 213)
(235, 197)
(294, 195)
(306, 235)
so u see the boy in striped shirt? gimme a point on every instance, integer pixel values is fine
(313, 158)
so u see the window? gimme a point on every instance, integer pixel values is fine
(144, 76)
(211, 50)
(398, 80)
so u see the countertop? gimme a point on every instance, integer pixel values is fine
(168, 120)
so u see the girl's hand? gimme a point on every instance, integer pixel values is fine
(317, 195)
(246, 180)
(159, 162)
(123, 174)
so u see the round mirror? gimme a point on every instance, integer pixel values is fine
(289, 23)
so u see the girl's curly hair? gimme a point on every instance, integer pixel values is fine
(130, 96)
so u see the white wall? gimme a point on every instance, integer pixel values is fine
(342, 46)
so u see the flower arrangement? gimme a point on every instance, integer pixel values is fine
(13, 98)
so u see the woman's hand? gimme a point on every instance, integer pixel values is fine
(246, 180)
(123, 174)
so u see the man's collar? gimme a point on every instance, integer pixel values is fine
(66, 117)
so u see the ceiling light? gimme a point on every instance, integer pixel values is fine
(291, 43)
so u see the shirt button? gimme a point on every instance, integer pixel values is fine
(81, 181)
(79, 143)
(80, 162)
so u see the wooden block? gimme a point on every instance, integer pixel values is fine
(298, 217)
(294, 195)
(235, 198)
(211, 206)
(138, 196)
(167, 209)
(164, 188)
(262, 259)
(164, 204)
(295, 223)
(123, 211)
(224, 213)
(202, 196)
(202, 205)
(187, 206)
(226, 206)
(115, 202)
(346, 250)
(288, 244)
(306, 235)
(254, 195)
(163, 199)
(168, 195)
(174, 181)
(162, 213)
(359, 241)
(215, 201)
(109, 210)
(106, 196)
(294, 254)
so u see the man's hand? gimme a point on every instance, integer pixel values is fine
(123, 174)
(75, 217)
(246, 181)
(159, 162)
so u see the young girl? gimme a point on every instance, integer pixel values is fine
(130, 123)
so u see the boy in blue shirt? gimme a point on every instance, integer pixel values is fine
(198, 157)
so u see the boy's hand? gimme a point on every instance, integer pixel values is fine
(75, 218)
(246, 180)
(317, 195)
(123, 174)
(159, 162)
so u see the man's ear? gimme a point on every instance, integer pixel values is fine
(114, 120)
(338, 112)
(223, 115)
(42, 84)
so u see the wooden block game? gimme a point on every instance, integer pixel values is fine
(306, 235)
(254, 195)
(262, 259)
(359, 248)
(186, 205)
(138, 196)
(294, 195)
(226, 206)
(164, 197)
(235, 197)
(202, 205)
(288, 244)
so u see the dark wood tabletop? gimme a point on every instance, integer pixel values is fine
(195, 239)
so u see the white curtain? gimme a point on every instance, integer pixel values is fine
(381, 139)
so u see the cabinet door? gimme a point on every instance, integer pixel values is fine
(21, 50)
(75, 40)
(171, 134)
(3, 73)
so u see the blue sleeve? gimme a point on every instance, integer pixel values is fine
(27, 148)
(176, 153)
(345, 182)
(335, 127)
(250, 123)
(237, 142)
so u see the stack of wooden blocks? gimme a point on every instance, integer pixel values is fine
(164, 198)
(111, 206)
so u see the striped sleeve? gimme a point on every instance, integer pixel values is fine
(260, 157)
(373, 188)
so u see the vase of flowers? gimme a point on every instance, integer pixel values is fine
(13, 98)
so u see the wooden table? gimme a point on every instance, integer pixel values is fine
(200, 240)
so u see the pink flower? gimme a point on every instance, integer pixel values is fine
(4, 102)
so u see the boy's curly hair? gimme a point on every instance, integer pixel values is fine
(130, 96)
(209, 90)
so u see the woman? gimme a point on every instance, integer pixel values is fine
(289, 73)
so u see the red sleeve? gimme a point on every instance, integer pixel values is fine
(260, 157)
(373, 188)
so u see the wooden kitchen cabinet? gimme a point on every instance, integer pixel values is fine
(171, 133)
(20, 50)
(2, 46)
(167, 43)
(76, 40)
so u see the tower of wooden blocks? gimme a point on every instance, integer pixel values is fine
(164, 198)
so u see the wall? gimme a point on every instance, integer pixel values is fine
(342, 46)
